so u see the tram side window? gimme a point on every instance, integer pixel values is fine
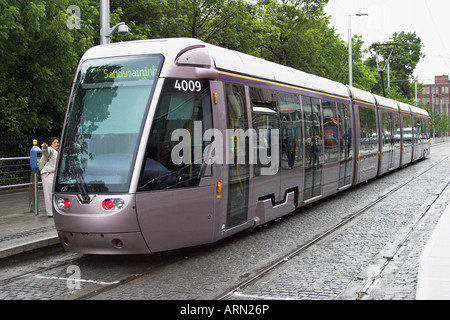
(391, 130)
(260, 94)
(345, 127)
(417, 131)
(313, 133)
(368, 129)
(266, 141)
(426, 129)
(345, 144)
(397, 129)
(173, 156)
(387, 130)
(407, 130)
(423, 127)
(330, 131)
(291, 130)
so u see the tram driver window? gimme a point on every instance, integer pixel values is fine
(186, 112)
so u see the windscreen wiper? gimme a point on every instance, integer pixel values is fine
(76, 170)
(81, 185)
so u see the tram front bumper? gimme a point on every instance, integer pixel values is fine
(104, 243)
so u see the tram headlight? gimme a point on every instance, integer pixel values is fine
(119, 203)
(109, 204)
(63, 203)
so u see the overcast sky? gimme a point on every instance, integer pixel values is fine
(428, 18)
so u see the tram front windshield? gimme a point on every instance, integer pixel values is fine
(106, 114)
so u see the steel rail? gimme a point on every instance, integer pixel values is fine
(271, 266)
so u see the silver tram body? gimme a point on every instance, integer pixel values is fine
(119, 190)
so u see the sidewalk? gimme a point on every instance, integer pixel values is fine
(433, 279)
(20, 229)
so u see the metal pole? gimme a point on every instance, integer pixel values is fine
(415, 90)
(350, 59)
(432, 112)
(104, 22)
(448, 121)
(350, 49)
(35, 186)
(441, 133)
(389, 79)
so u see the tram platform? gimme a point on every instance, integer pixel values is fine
(22, 231)
(433, 279)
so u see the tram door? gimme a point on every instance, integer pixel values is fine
(237, 156)
(388, 127)
(407, 139)
(345, 145)
(418, 148)
(367, 144)
(313, 148)
(266, 125)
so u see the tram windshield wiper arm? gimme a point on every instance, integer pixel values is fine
(76, 171)
(81, 186)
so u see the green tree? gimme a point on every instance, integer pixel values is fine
(294, 33)
(39, 56)
(291, 33)
(229, 23)
(405, 51)
(440, 122)
(40, 53)
(299, 35)
(147, 19)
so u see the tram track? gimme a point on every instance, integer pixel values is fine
(166, 260)
(262, 272)
(123, 280)
(92, 286)
(371, 282)
(37, 270)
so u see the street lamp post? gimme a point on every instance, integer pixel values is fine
(350, 49)
(105, 31)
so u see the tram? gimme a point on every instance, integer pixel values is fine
(171, 143)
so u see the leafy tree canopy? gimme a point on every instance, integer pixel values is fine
(403, 51)
(40, 52)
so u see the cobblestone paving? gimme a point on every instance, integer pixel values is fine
(324, 272)
(342, 264)
(337, 268)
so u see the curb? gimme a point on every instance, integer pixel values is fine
(30, 246)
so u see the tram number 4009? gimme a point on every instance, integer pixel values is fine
(188, 85)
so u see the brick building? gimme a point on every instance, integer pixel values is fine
(436, 95)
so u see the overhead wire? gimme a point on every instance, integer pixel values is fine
(436, 29)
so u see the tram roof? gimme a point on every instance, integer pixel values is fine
(245, 64)
(409, 108)
(223, 59)
(419, 111)
(361, 95)
(170, 48)
(386, 102)
(404, 107)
